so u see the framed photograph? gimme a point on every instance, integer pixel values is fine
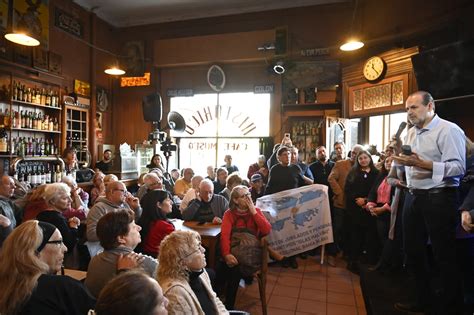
(134, 58)
(102, 99)
(55, 63)
(82, 88)
(22, 55)
(98, 121)
(40, 59)
(34, 14)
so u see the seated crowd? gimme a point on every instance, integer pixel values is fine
(138, 262)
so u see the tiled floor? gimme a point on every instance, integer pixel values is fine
(310, 289)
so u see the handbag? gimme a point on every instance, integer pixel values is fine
(246, 248)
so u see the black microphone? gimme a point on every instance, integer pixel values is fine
(400, 129)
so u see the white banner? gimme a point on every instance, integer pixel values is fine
(300, 219)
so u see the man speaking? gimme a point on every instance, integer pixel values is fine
(433, 169)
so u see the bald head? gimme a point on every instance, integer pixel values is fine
(7, 186)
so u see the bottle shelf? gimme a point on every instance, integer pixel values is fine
(36, 105)
(36, 130)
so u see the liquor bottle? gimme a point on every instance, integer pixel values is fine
(58, 174)
(6, 118)
(43, 97)
(53, 174)
(42, 147)
(48, 98)
(47, 174)
(28, 174)
(14, 90)
(20, 93)
(51, 124)
(43, 175)
(56, 124)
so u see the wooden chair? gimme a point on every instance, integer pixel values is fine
(261, 275)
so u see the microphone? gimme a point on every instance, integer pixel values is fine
(402, 126)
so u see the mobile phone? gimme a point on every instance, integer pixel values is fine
(406, 150)
(287, 135)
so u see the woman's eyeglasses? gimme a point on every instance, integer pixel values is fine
(245, 195)
(57, 242)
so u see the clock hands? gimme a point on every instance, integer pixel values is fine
(373, 68)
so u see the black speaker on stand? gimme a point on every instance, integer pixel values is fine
(152, 108)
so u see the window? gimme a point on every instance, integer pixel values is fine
(220, 124)
(383, 127)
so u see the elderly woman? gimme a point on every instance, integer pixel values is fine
(155, 226)
(242, 214)
(29, 261)
(80, 199)
(132, 292)
(58, 200)
(183, 278)
(99, 187)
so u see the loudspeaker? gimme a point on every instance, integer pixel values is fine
(281, 41)
(176, 121)
(152, 109)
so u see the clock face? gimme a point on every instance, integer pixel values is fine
(374, 68)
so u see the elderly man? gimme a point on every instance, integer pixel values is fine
(118, 235)
(183, 184)
(151, 181)
(116, 197)
(207, 207)
(7, 207)
(433, 171)
(339, 151)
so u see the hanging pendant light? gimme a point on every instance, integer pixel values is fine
(352, 44)
(20, 33)
(115, 69)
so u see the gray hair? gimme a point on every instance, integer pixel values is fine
(52, 191)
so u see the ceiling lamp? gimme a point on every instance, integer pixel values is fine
(279, 67)
(115, 69)
(352, 44)
(19, 34)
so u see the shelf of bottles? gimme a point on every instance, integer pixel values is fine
(76, 131)
(306, 136)
(38, 171)
(33, 119)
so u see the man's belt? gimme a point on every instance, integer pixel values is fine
(431, 191)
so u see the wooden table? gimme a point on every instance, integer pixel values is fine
(209, 232)
(75, 274)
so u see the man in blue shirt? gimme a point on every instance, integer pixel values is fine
(433, 174)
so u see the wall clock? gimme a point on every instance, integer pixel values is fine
(216, 78)
(374, 68)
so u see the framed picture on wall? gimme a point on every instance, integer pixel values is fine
(102, 99)
(40, 59)
(55, 63)
(82, 88)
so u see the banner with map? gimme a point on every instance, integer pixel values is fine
(300, 219)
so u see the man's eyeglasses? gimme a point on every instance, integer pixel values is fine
(121, 190)
(57, 242)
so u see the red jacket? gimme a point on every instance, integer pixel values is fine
(257, 223)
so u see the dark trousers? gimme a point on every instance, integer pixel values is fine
(337, 217)
(433, 215)
(227, 281)
(363, 236)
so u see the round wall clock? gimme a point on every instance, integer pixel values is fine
(374, 68)
(216, 78)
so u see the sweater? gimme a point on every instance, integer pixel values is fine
(158, 230)
(103, 267)
(218, 206)
(58, 295)
(256, 223)
(183, 301)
